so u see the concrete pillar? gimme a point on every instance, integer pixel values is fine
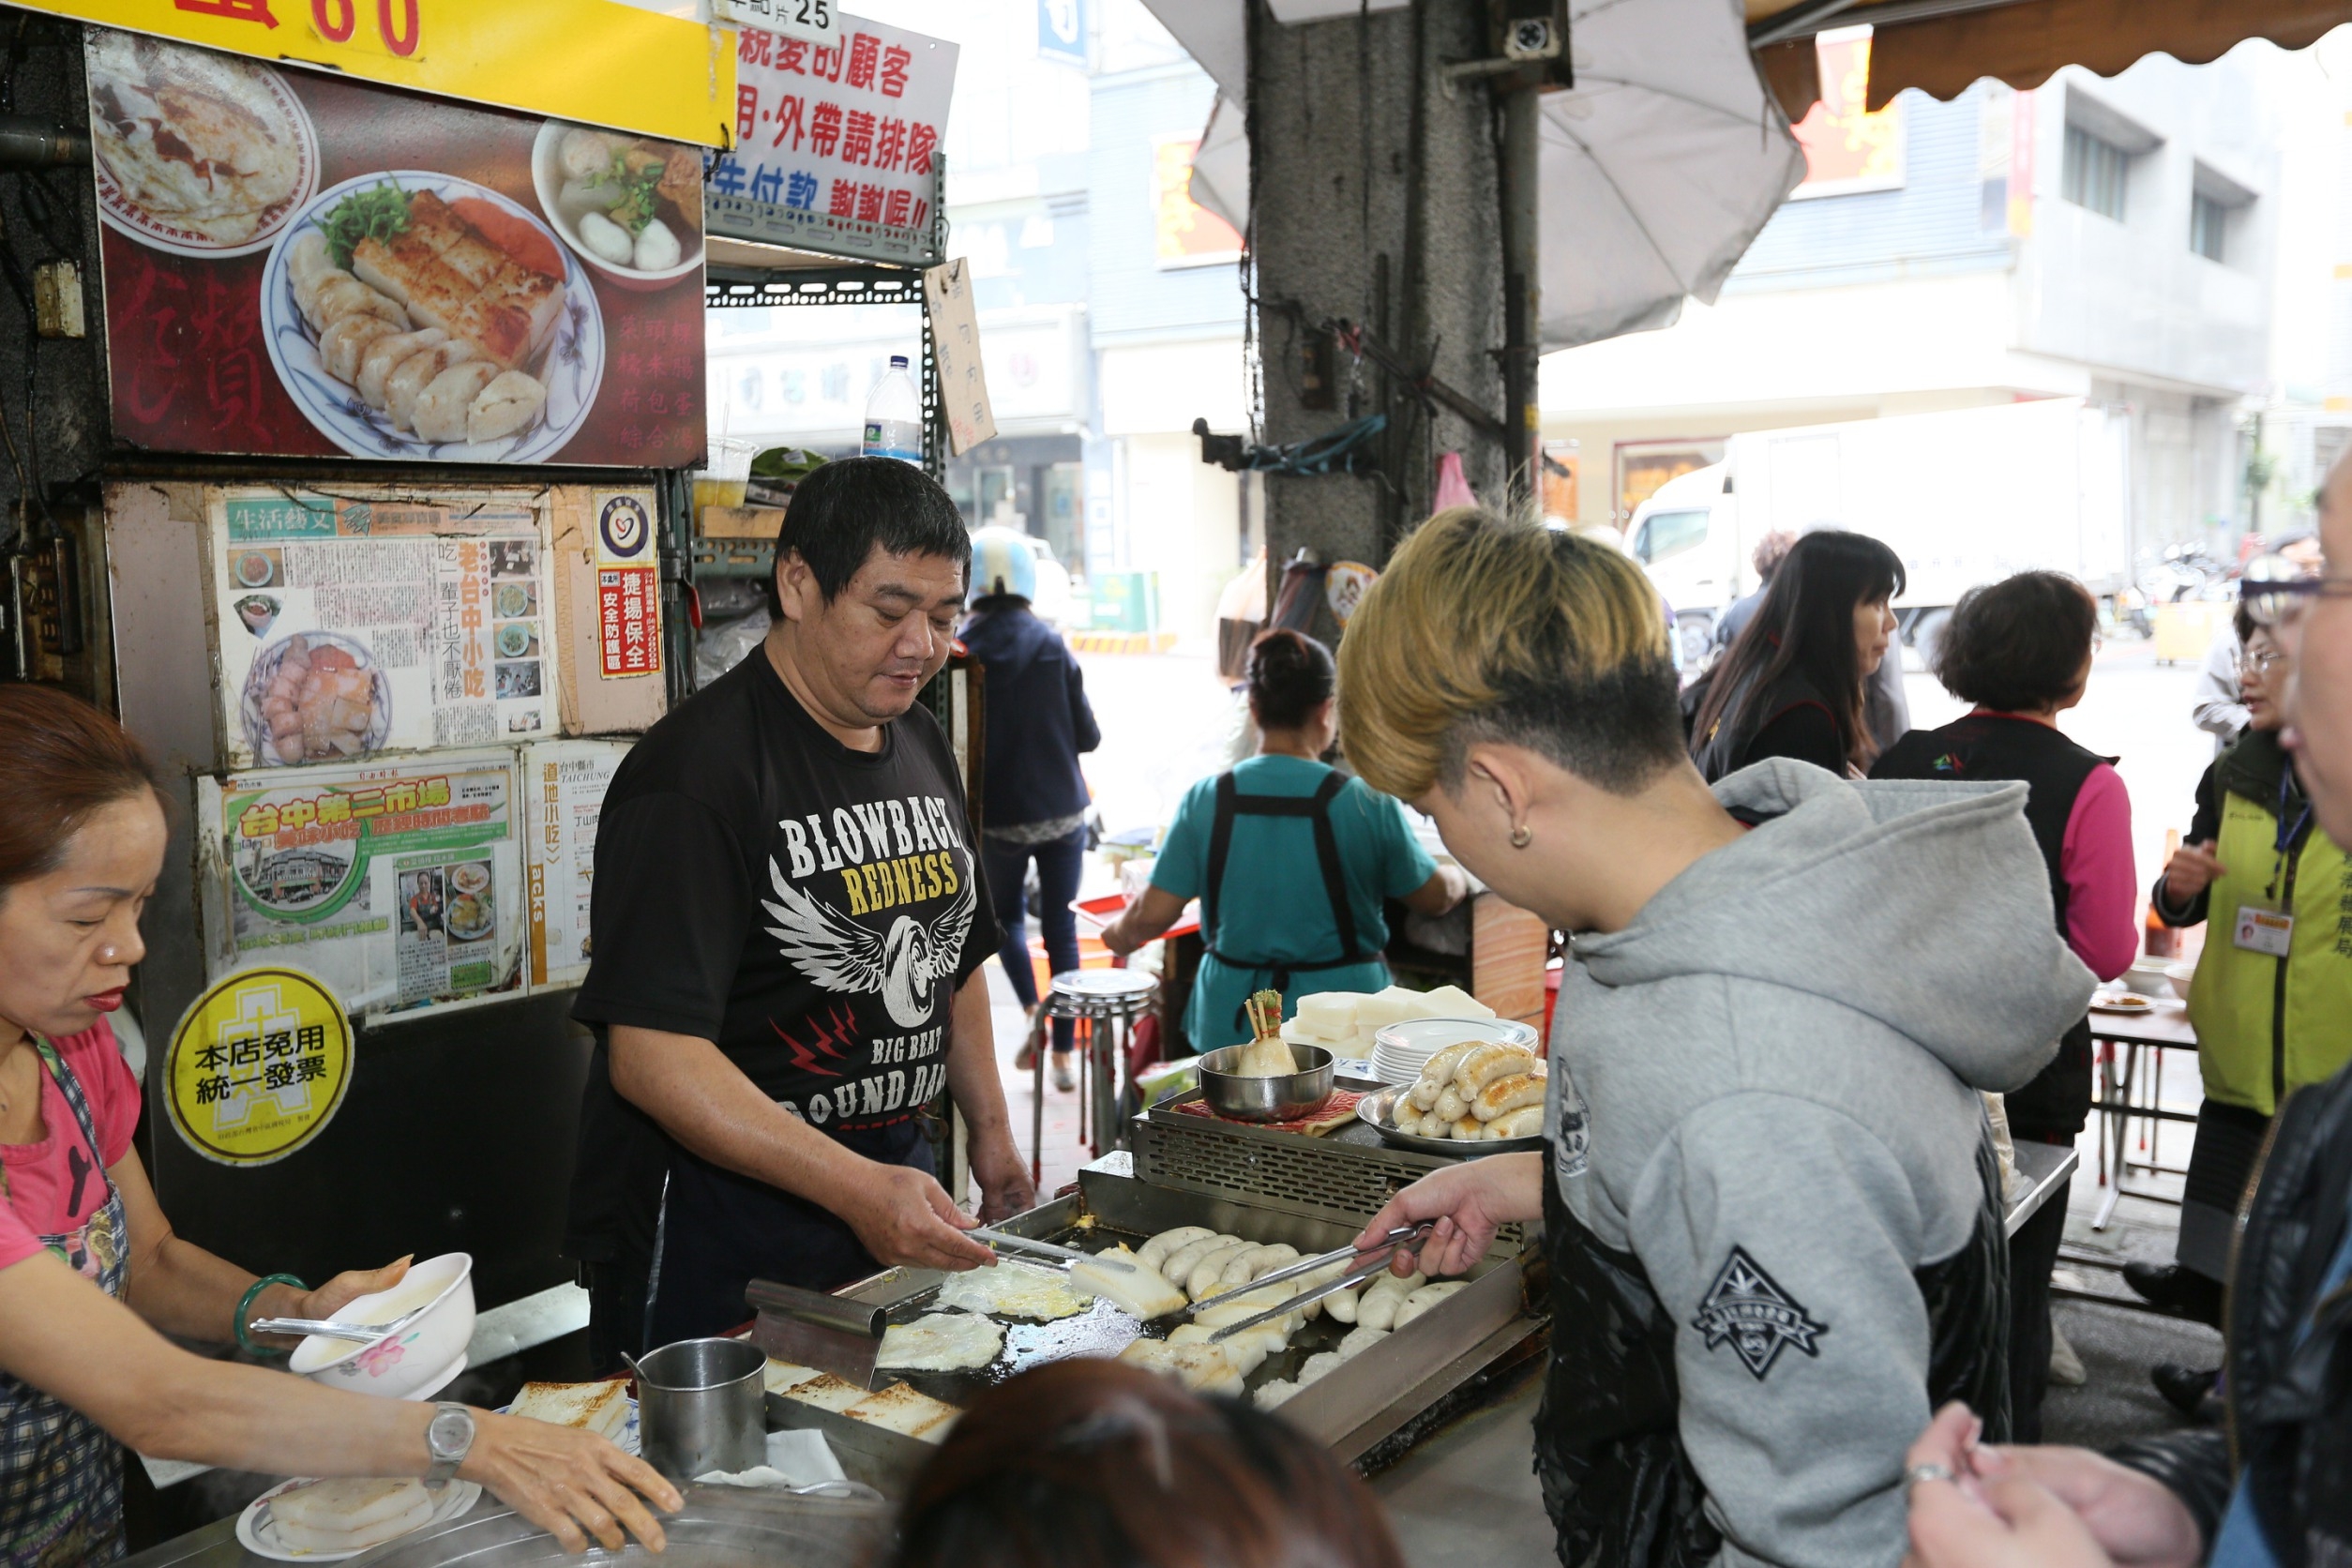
(1376, 201)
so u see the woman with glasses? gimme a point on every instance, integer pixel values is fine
(2020, 652)
(2273, 985)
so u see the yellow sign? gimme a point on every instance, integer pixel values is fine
(1184, 233)
(258, 1067)
(1848, 148)
(591, 60)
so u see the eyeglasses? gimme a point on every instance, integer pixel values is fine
(2266, 662)
(2270, 599)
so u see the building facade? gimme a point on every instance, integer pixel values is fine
(2112, 239)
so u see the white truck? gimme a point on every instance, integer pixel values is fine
(1963, 497)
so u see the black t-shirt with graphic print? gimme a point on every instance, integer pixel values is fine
(808, 908)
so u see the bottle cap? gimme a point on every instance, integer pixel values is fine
(898, 361)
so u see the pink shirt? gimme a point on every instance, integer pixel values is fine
(57, 1184)
(2102, 882)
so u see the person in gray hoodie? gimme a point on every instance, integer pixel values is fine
(1770, 1199)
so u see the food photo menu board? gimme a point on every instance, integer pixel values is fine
(306, 266)
(349, 627)
(400, 885)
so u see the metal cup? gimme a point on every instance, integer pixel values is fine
(701, 1405)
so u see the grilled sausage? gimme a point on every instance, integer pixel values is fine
(1176, 1267)
(1423, 1299)
(1481, 1067)
(1436, 1071)
(1154, 1251)
(1203, 1279)
(1449, 1108)
(1524, 1122)
(1507, 1094)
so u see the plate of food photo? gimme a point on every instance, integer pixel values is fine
(413, 314)
(197, 153)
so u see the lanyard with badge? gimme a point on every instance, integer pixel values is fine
(2272, 931)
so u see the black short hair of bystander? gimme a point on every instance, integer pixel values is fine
(2019, 644)
(847, 507)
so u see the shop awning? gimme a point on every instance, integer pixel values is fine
(1941, 46)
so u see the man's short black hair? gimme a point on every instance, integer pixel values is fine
(846, 508)
(2019, 644)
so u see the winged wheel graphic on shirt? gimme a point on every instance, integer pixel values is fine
(841, 955)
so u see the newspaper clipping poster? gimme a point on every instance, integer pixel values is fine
(400, 885)
(352, 627)
(564, 784)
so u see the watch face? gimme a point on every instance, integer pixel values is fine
(450, 1435)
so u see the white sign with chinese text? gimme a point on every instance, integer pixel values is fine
(399, 884)
(817, 21)
(836, 145)
(564, 786)
(963, 383)
(353, 625)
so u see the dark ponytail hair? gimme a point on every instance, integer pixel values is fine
(1806, 624)
(1290, 676)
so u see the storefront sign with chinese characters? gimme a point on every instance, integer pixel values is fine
(564, 786)
(835, 144)
(258, 1066)
(817, 21)
(349, 625)
(628, 589)
(400, 885)
(576, 59)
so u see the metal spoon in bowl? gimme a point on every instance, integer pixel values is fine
(327, 1328)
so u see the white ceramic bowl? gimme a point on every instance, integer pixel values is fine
(547, 182)
(2147, 976)
(2179, 974)
(406, 1365)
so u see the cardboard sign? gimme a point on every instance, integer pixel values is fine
(963, 385)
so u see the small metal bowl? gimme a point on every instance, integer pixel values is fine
(1266, 1099)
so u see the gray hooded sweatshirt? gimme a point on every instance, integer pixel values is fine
(1780, 1058)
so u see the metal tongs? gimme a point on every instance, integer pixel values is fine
(327, 1328)
(1065, 1255)
(1376, 1257)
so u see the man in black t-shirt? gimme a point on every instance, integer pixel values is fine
(788, 926)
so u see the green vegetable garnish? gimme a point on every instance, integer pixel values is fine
(636, 207)
(378, 213)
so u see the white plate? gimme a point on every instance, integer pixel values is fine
(261, 1538)
(571, 365)
(129, 217)
(1373, 1111)
(265, 669)
(2129, 1002)
(627, 1443)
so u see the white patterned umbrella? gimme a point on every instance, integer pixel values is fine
(1659, 167)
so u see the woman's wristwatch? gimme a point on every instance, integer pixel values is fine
(448, 1438)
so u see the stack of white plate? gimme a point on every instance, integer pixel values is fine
(1399, 1050)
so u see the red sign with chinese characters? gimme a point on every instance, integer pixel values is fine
(628, 621)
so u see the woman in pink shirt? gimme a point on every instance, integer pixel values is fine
(92, 1279)
(2020, 651)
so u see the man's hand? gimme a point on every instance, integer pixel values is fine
(2018, 1525)
(1006, 1189)
(570, 1482)
(2191, 869)
(903, 1217)
(2134, 1521)
(1469, 1201)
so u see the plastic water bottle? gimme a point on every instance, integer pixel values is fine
(894, 415)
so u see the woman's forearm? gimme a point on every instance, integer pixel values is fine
(184, 1292)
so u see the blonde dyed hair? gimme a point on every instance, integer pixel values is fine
(1485, 627)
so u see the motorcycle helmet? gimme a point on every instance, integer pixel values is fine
(1003, 565)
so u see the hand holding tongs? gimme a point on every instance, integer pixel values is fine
(1377, 1255)
(1066, 1255)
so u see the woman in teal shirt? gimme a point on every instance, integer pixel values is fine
(1290, 859)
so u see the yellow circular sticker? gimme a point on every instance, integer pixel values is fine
(258, 1066)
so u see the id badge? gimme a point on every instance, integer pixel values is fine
(2261, 930)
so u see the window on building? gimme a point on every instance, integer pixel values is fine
(2208, 224)
(2096, 174)
(1668, 534)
